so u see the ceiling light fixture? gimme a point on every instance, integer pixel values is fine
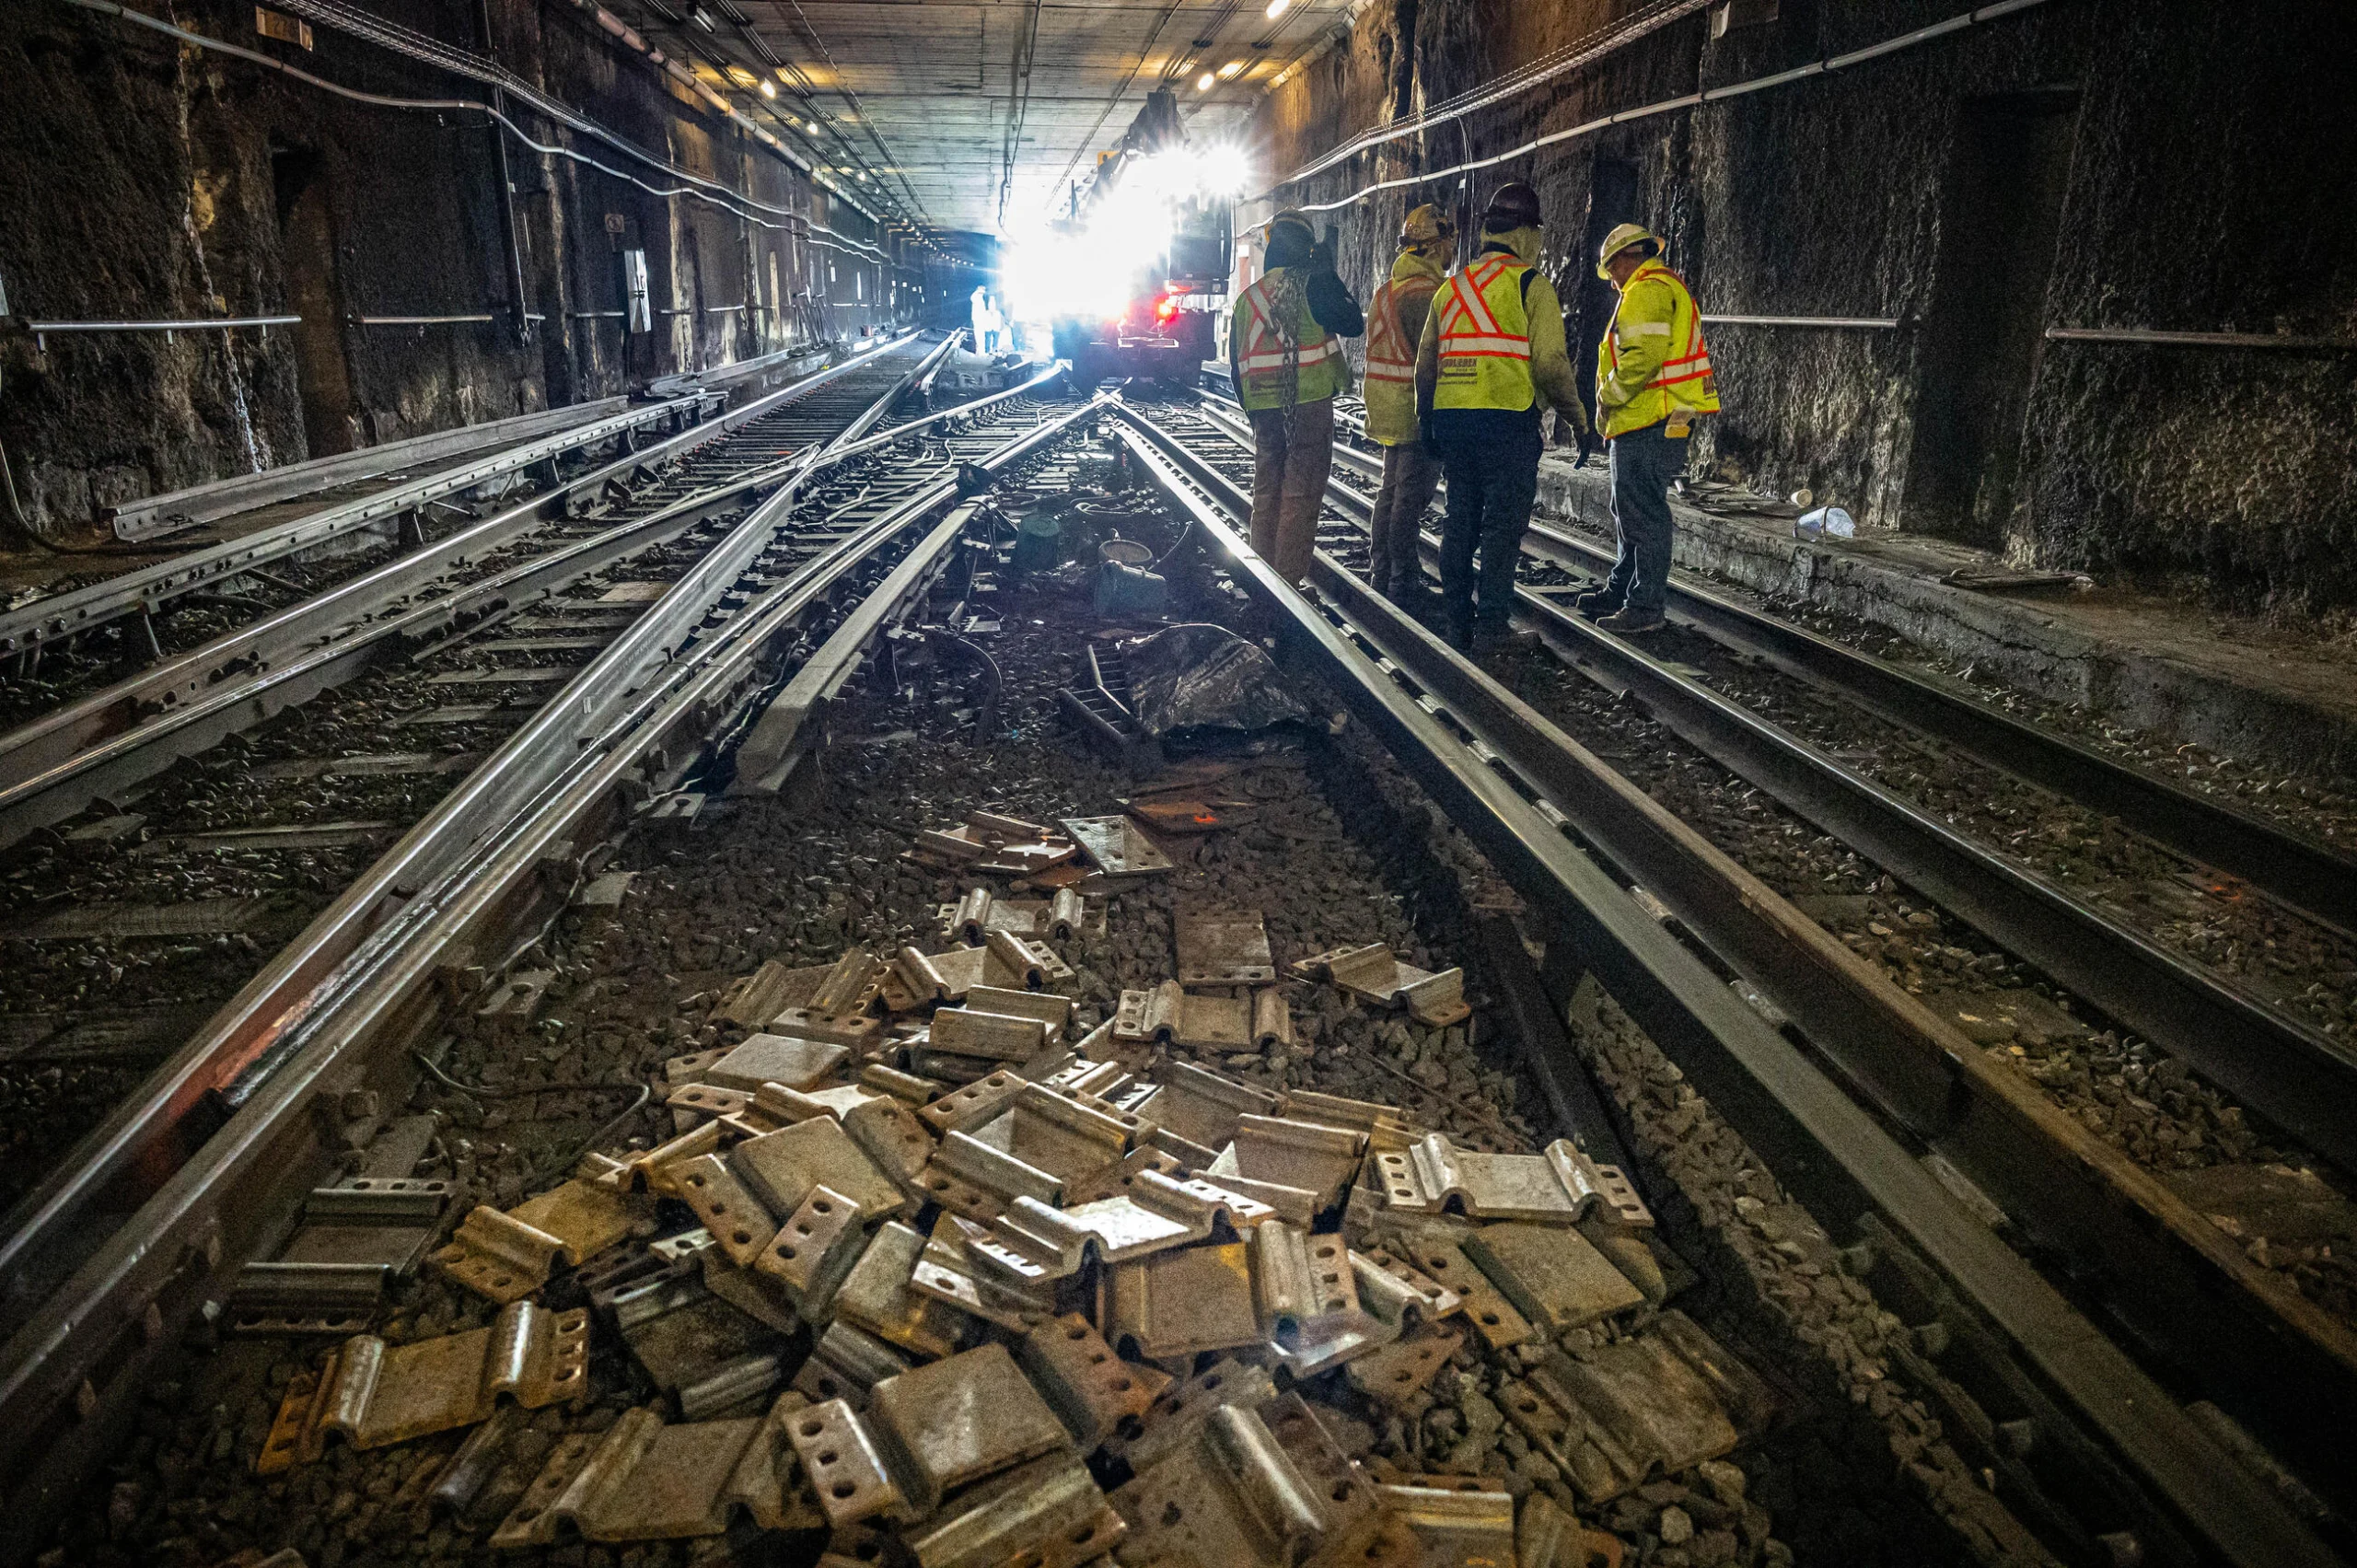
(1229, 70)
(768, 90)
(1278, 9)
(1203, 83)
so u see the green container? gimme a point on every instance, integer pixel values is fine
(1039, 543)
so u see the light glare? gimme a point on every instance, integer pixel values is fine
(1092, 273)
(1203, 83)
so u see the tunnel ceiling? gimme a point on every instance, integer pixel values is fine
(976, 116)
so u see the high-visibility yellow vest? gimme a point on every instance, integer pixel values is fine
(1390, 388)
(1684, 383)
(1261, 354)
(1485, 338)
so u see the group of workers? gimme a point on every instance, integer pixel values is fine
(1461, 367)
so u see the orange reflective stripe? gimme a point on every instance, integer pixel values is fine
(1264, 350)
(1471, 283)
(1470, 329)
(1256, 300)
(1387, 354)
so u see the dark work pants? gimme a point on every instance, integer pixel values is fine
(1644, 462)
(1492, 462)
(1293, 452)
(1409, 477)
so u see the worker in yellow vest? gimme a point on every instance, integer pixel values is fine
(1395, 324)
(1653, 377)
(1491, 359)
(1286, 361)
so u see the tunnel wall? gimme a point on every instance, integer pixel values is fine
(2192, 166)
(147, 180)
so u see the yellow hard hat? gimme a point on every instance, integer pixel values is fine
(1620, 239)
(1425, 225)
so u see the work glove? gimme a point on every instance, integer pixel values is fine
(1588, 445)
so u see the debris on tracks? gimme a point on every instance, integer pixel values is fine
(956, 1277)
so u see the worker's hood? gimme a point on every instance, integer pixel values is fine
(1292, 245)
(1410, 264)
(1525, 242)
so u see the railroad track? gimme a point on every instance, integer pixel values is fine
(1845, 1081)
(97, 743)
(2210, 934)
(568, 683)
(442, 677)
(714, 689)
(243, 547)
(2164, 879)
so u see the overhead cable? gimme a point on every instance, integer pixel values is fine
(449, 57)
(1691, 101)
(711, 191)
(1570, 57)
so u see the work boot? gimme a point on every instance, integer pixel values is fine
(1414, 595)
(1460, 637)
(1596, 602)
(1632, 622)
(1503, 641)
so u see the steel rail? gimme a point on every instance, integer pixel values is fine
(2153, 1261)
(2194, 1502)
(775, 746)
(148, 589)
(2316, 879)
(153, 516)
(169, 512)
(46, 1231)
(72, 1379)
(472, 608)
(2298, 1077)
(55, 765)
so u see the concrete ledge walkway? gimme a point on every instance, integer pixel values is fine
(2234, 687)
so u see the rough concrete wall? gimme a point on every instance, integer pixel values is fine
(2216, 190)
(2209, 187)
(148, 181)
(131, 191)
(1823, 201)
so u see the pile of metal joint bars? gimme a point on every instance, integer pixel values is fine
(967, 1290)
